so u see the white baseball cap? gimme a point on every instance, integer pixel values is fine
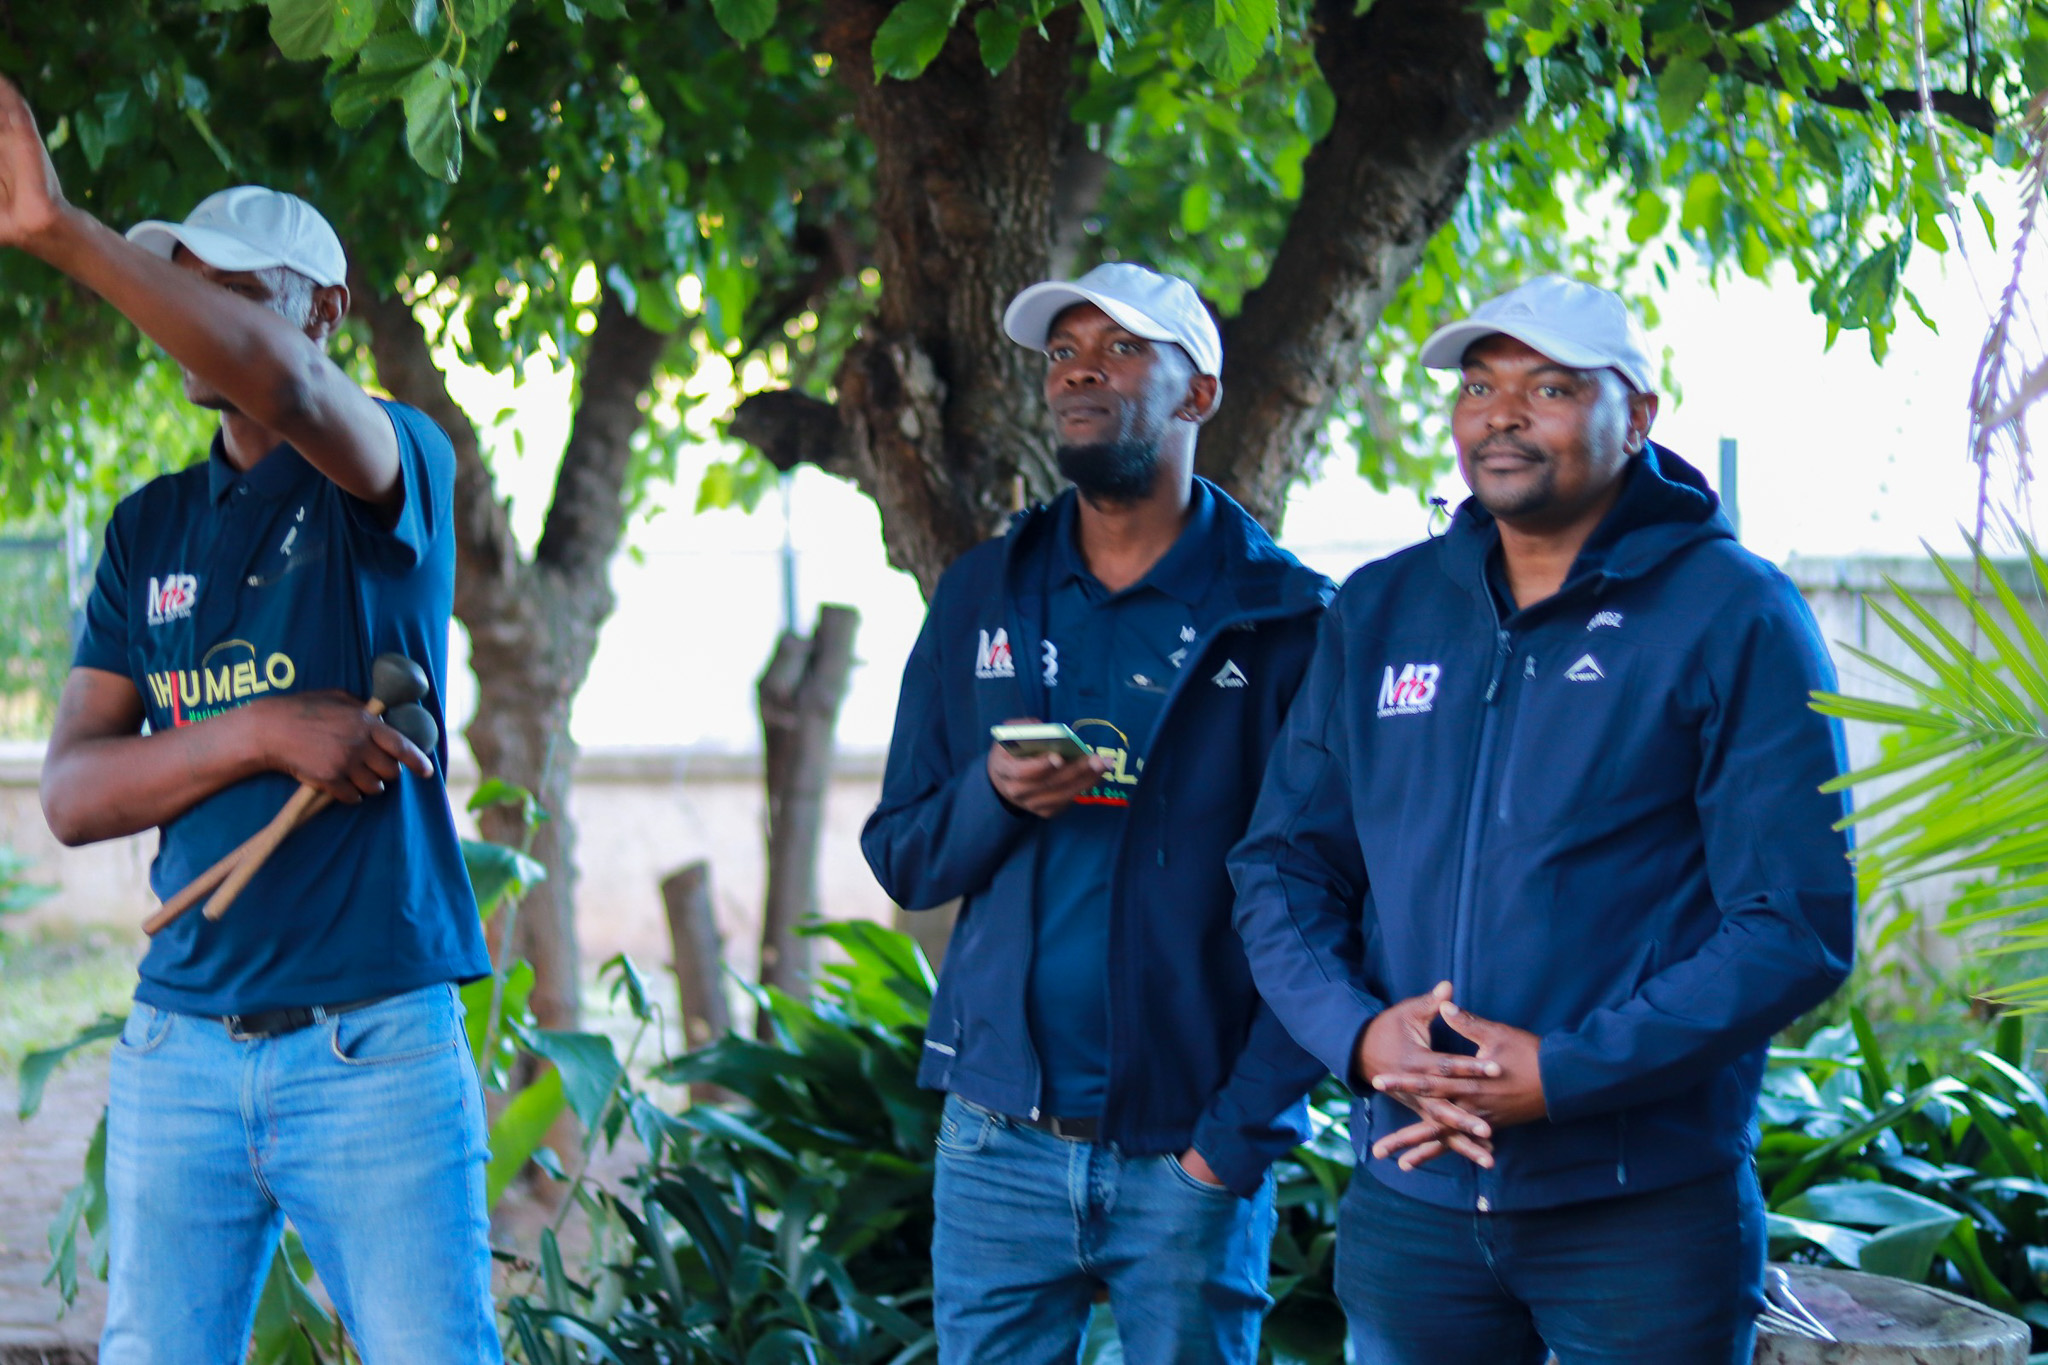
(1143, 302)
(252, 228)
(1575, 324)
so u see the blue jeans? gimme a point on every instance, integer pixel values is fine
(366, 1130)
(1673, 1276)
(1030, 1226)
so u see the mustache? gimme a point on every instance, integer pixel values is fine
(1494, 444)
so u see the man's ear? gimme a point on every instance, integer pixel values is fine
(330, 306)
(1205, 395)
(1642, 414)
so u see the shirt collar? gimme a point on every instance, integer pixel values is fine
(1183, 573)
(273, 476)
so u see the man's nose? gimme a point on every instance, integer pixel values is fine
(1082, 373)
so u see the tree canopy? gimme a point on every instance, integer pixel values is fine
(828, 202)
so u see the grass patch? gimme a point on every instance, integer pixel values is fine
(59, 978)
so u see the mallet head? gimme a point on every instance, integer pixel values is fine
(396, 680)
(412, 721)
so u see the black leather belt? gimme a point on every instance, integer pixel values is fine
(272, 1023)
(1070, 1130)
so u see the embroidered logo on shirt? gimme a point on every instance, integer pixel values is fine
(1187, 635)
(1604, 618)
(1412, 692)
(171, 597)
(1230, 675)
(992, 659)
(1052, 663)
(1587, 669)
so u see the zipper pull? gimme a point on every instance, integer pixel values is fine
(1503, 647)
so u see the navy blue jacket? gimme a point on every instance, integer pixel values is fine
(1597, 817)
(1195, 1058)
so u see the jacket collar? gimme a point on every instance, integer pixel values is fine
(1664, 507)
(273, 476)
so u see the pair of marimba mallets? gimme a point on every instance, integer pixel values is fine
(396, 686)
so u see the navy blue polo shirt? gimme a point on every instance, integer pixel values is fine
(1115, 658)
(219, 587)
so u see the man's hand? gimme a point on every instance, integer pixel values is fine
(1396, 1042)
(328, 740)
(1045, 784)
(30, 198)
(1510, 1089)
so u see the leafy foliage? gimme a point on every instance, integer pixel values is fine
(1883, 1165)
(1968, 751)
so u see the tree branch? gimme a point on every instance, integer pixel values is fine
(587, 516)
(789, 428)
(486, 550)
(1415, 91)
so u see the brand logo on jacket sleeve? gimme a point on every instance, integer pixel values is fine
(171, 597)
(992, 658)
(1587, 669)
(1230, 675)
(1411, 692)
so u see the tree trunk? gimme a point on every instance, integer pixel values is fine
(940, 413)
(1415, 92)
(698, 955)
(533, 623)
(800, 694)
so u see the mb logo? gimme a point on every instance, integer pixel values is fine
(1411, 692)
(171, 597)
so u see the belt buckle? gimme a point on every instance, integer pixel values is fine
(236, 1032)
(1072, 1130)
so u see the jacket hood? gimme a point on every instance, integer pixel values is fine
(1665, 506)
(1261, 577)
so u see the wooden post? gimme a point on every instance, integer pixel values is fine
(799, 694)
(697, 955)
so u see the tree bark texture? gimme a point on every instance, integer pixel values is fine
(800, 693)
(940, 413)
(1415, 92)
(980, 183)
(533, 623)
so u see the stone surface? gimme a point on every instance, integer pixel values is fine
(1883, 1321)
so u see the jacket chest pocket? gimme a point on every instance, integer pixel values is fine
(1591, 725)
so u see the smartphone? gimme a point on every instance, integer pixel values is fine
(1048, 737)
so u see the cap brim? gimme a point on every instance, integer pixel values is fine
(1029, 318)
(217, 249)
(1446, 347)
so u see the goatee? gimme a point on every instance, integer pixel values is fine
(1111, 471)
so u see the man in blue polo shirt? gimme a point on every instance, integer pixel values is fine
(304, 1056)
(1117, 1091)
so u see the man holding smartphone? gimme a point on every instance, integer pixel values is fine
(1116, 1089)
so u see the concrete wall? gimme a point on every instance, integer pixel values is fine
(641, 814)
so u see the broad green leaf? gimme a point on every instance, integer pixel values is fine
(308, 29)
(911, 36)
(521, 1126)
(1680, 88)
(433, 132)
(1844, 1244)
(496, 871)
(998, 31)
(745, 21)
(590, 1069)
(1906, 1250)
(1197, 203)
(1701, 208)
(1648, 215)
(1864, 1203)
(37, 1067)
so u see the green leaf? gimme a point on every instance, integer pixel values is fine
(911, 37)
(1680, 88)
(998, 30)
(433, 131)
(519, 1129)
(1864, 1203)
(1197, 204)
(590, 1069)
(308, 29)
(744, 21)
(1843, 1244)
(1701, 208)
(1906, 1250)
(1648, 216)
(37, 1067)
(496, 871)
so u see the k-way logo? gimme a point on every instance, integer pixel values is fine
(992, 659)
(171, 597)
(1587, 669)
(1412, 692)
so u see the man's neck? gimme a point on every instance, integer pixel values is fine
(1539, 558)
(246, 442)
(1121, 541)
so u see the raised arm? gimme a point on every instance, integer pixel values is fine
(267, 367)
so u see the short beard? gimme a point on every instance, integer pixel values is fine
(1111, 471)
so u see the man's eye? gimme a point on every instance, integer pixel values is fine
(1128, 347)
(1475, 389)
(1059, 353)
